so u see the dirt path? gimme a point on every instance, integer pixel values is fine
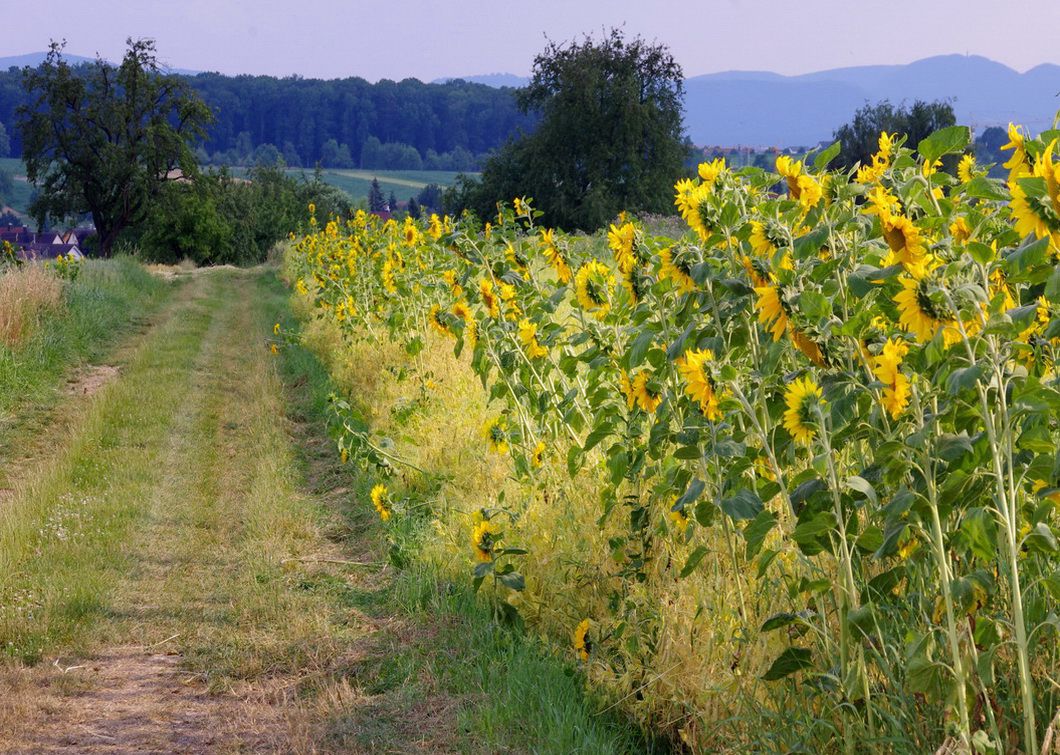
(200, 639)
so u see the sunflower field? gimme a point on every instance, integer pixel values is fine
(785, 478)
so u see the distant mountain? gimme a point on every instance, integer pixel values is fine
(496, 80)
(34, 59)
(766, 109)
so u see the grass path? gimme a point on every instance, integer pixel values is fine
(172, 576)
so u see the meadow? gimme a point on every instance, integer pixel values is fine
(786, 481)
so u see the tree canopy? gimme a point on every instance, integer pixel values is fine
(609, 137)
(105, 141)
(859, 138)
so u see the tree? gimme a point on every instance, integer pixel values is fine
(392, 202)
(5, 142)
(413, 208)
(859, 139)
(610, 136)
(430, 197)
(105, 141)
(376, 202)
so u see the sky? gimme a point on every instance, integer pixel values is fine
(429, 39)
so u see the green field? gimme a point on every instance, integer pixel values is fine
(22, 192)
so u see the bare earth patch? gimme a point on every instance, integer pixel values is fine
(130, 700)
(88, 381)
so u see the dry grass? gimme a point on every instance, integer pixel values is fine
(26, 294)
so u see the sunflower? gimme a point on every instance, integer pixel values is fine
(920, 316)
(881, 201)
(1017, 164)
(679, 519)
(484, 537)
(772, 313)
(886, 367)
(449, 276)
(699, 385)
(802, 187)
(555, 256)
(802, 398)
(593, 286)
(693, 202)
(388, 275)
(881, 160)
(436, 320)
(580, 639)
(757, 270)
(1039, 212)
(765, 238)
(712, 171)
(677, 266)
(960, 231)
(636, 283)
(381, 501)
(434, 227)
(463, 311)
(905, 242)
(966, 168)
(620, 239)
(528, 337)
(410, 233)
(489, 298)
(647, 399)
(537, 456)
(495, 431)
(512, 310)
(521, 207)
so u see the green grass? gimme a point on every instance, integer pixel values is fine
(108, 299)
(511, 692)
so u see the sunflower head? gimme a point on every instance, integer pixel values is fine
(593, 287)
(804, 400)
(694, 367)
(495, 431)
(580, 640)
(381, 501)
(484, 536)
(676, 263)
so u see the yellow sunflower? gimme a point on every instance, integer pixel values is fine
(593, 286)
(905, 242)
(580, 639)
(620, 239)
(528, 337)
(712, 171)
(434, 317)
(381, 501)
(693, 202)
(761, 243)
(625, 385)
(802, 398)
(484, 536)
(495, 431)
(1017, 164)
(554, 255)
(772, 313)
(920, 316)
(489, 298)
(808, 346)
(463, 311)
(647, 399)
(966, 168)
(886, 366)
(699, 385)
(537, 456)
(676, 265)
(1039, 214)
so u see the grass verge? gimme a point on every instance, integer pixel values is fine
(447, 656)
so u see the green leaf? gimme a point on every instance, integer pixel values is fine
(945, 141)
(513, 580)
(744, 505)
(640, 348)
(789, 662)
(963, 379)
(755, 532)
(694, 490)
(982, 187)
(827, 155)
(1041, 539)
(861, 485)
(693, 560)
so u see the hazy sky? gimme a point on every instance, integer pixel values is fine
(428, 39)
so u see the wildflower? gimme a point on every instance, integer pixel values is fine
(381, 501)
(276, 329)
(676, 265)
(273, 349)
(692, 366)
(495, 431)
(580, 639)
(593, 286)
(772, 313)
(802, 397)
(886, 368)
(620, 239)
(528, 337)
(484, 536)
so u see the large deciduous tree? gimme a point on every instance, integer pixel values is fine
(610, 136)
(105, 140)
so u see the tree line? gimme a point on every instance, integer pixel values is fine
(337, 123)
